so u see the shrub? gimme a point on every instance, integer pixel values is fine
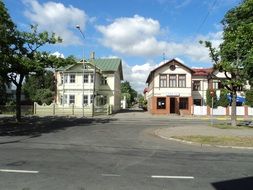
(249, 98)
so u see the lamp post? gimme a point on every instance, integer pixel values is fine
(94, 85)
(78, 28)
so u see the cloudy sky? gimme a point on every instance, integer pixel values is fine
(141, 32)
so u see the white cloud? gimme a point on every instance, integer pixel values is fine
(137, 74)
(57, 18)
(58, 54)
(138, 36)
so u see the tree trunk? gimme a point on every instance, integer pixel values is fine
(18, 103)
(233, 109)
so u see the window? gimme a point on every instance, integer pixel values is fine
(61, 79)
(196, 85)
(182, 81)
(172, 67)
(72, 79)
(197, 102)
(183, 103)
(217, 84)
(173, 80)
(161, 103)
(91, 78)
(85, 99)
(85, 78)
(65, 78)
(104, 80)
(71, 99)
(163, 80)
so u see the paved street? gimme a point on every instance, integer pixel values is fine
(120, 152)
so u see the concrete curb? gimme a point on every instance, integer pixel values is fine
(199, 144)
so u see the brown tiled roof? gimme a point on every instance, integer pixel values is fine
(202, 72)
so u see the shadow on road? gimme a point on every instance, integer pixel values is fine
(235, 184)
(35, 126)
(132, 110)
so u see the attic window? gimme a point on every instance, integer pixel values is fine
(172, 67)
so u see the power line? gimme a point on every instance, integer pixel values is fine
(207, 15)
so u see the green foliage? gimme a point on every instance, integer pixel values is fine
(44, 96)
(249, 98)
(3, 93)
(223, 101)
(20, 55)
(209, 99)
(40, 87)
(235, 54)
(127, 89)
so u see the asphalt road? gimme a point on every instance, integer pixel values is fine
(121, 152)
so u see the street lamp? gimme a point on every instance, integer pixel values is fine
(78, 28)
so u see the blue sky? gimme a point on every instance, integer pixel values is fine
(137, 31)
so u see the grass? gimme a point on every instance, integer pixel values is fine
(216, 140)
(229, 126)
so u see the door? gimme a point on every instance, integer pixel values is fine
(172, 105)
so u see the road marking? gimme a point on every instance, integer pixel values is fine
(172, 177)
(19, 171)
(110, 175)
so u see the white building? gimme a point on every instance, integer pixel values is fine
(78, 84)
(173, 87)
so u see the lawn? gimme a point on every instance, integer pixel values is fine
(215, 140)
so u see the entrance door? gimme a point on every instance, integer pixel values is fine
(172, 105)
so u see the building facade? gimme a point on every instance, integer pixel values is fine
(83, 83)
(173, 87)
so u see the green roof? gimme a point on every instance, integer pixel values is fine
(106, 65)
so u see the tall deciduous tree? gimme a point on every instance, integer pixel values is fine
(20, 55)
(235, 54)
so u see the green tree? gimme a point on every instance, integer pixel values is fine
(3, 93)
(249, 98)
(209, 99)
(20, 55)
(127, 89)
(223, 101)
(40, 87)
(235, 54)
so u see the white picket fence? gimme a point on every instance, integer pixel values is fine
(202, 110)
(70, 110)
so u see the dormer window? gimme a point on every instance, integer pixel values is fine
(103, 80)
